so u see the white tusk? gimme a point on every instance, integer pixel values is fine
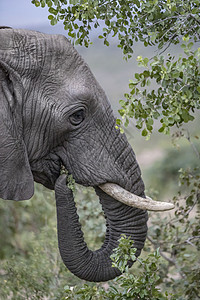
(133, 200)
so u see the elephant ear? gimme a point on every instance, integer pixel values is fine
(16, 179)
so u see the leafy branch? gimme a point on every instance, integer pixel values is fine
(177, 94)
(151, 22)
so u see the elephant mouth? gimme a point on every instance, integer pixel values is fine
(114, 190)
(120, 194)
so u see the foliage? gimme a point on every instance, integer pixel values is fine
(176, 98)
(31, 267)
(123, 254)
(152, 22)
(172, 270)
(127, 286)
(144, 284)
(155, 22)
(70, 182)
(92, 220)
(34, 276)
(20, 221)
(166, 170)
(39, 273)
(178, 237)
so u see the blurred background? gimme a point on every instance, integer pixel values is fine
(28, 240)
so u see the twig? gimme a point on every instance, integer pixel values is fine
(168, 45)
(170, 260)
(192, 144)
(195, 18)
(163, 20)
(192, 238)
(185, 214)
(188, 241)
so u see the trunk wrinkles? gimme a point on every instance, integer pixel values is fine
(120, 219)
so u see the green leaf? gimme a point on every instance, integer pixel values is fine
(185, 115)
(161, 129)
(50, 17)
(53, 21)
(152, 23)
(132, 85)
(150, 121)
(49, 3)
(137, 2)
(37, 3)
(126, 122)
(118, 122)
(144, 132)
(106, 43)
(53, 11)
(145, 60)
(43, 3)
(107, 22)
(137, 76)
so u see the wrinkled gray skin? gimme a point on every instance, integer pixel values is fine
(52, 113)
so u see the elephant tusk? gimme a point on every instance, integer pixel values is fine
(133, 200)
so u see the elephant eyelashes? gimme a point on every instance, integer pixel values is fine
(77, 117)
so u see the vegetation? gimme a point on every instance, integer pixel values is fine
(165, 96)
(154, 22)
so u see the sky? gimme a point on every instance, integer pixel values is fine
(22, 14)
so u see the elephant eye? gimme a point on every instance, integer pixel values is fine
(77, 117)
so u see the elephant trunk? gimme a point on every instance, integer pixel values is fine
(120, 219)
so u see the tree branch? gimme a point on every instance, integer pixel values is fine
(188, 241)
(170, 260)
(192, 144)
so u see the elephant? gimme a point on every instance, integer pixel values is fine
(54, 113)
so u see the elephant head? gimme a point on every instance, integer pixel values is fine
(53, 113)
